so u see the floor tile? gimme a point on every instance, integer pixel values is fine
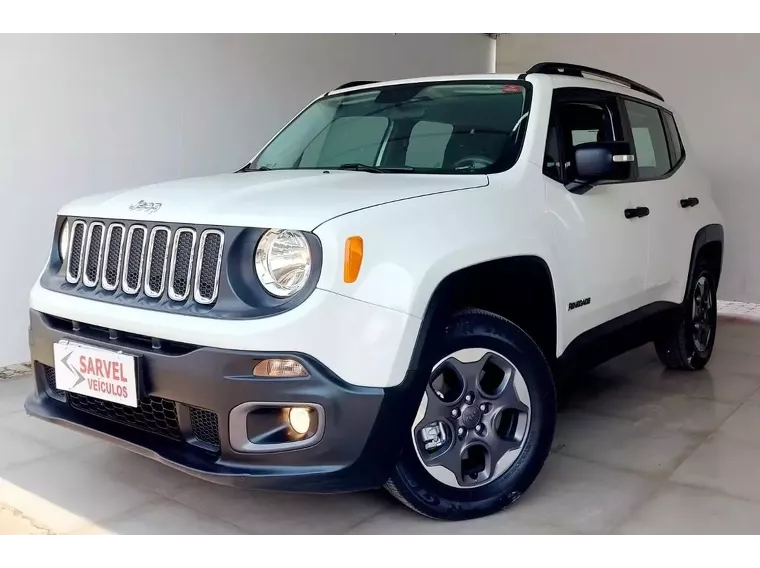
(725, 464)
(403, 521)
(56, 437)
(161, 517)
(622, 443)
(64, 494)
(746, 344)
(17, 449)
(13, 393)
(259, 512)
(135, 470)
(678, 509)
(581, 496)
(754, 399)
(723, 362)
(738, 329)
(661, 410)
(707, 383)
(744, 425)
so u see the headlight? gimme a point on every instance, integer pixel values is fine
(63, 242)
(283, 262)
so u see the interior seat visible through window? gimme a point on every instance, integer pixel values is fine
(581, 123)
(474, 143)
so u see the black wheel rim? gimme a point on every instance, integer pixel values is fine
(473, 420)
(703, 314)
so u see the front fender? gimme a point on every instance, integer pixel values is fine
(410, 246)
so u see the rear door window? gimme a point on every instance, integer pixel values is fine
(649, 141)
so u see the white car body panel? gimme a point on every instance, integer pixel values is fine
(404, 261)
(364, 344)
(286, 199)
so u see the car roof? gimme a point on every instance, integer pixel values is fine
(553, 81)
(368, 85)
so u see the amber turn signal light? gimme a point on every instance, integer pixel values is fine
(353, 259)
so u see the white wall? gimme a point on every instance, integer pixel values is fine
(92, 113)
(714, 82)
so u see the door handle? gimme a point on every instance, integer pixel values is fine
(636, 212)
(689, 202)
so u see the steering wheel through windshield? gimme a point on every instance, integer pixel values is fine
(472, 163)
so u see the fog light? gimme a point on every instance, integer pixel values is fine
(300, 419)
(279, 368)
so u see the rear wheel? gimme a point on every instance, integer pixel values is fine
(484, 425)
(689, 344)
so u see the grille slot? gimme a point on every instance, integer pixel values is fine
(209, 264)
(76, 250)
(50, 382)
(165, 262)
(205, 425)
(158, 253)
(134, 259)
(94, 254)
(183, 252)
(153, 414)
(112, 263)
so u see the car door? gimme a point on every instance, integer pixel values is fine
(657, 160)
(600, 237)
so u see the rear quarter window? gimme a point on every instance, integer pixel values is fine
(676, 145)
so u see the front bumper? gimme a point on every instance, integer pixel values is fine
(364, 427)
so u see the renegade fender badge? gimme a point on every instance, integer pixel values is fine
(579, 303)
(146, 206)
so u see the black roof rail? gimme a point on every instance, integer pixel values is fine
(573, 70)
(354, 84)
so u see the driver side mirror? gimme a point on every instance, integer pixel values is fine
(601, 161)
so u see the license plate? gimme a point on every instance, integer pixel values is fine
(99, 373)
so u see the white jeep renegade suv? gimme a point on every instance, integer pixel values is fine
(386, 294)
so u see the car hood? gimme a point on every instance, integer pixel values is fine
(289, 199)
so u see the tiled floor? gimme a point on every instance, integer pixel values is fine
(637, 450)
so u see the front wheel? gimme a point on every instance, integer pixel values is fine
(484, 426)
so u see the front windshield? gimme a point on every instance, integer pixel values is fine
(443, 128)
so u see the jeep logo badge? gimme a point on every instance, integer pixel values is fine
(146, 206)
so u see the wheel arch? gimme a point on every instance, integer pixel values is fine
(529, 301)
(708, 245)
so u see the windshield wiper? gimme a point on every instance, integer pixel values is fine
(248, 168)
(374, 169)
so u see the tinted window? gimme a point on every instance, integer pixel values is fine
(427, 144)
(649, 142)
(676, 146)
(574, 123)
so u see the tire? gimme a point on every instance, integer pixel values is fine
(680, 348)
(412, 482)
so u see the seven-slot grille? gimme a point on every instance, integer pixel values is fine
(180, 263)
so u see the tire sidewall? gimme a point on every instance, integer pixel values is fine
(486, 331)
(699, 359)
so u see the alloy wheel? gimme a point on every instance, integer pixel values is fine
(473, 420)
